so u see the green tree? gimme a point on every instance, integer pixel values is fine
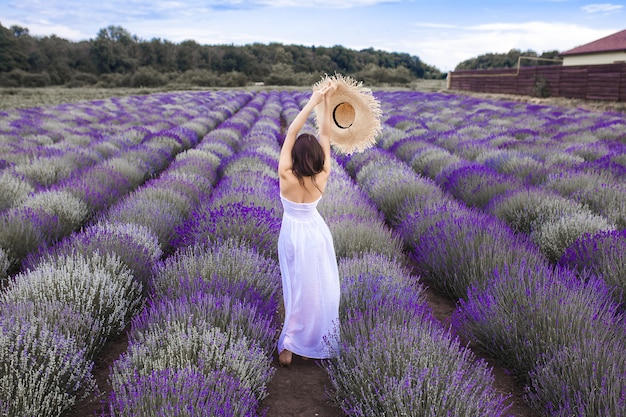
(114, 50)
(11, 55)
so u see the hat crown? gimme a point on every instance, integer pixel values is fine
(355, 114)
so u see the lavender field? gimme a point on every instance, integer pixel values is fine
(158, 216)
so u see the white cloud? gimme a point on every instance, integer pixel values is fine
(449, 46)
(326, 4)
(602, 8)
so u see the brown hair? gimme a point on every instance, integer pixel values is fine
(308, 157)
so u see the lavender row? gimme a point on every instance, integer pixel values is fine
(514, 304)
(58, 314)
(44, 217)
(42, 146)
(203, 345)
(574, 212)
(576, 154)
(394, 358)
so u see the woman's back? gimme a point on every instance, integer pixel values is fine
(309, 191)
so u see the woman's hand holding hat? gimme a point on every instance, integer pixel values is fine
(355, 113)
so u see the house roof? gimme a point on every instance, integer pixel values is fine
(611, 43)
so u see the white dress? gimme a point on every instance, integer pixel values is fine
(310, 280)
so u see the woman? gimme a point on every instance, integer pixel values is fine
(305, 246)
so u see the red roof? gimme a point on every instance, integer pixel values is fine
(611, 43)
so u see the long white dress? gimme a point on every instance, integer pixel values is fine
(310, 282)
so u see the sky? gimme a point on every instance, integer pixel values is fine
(442, 33)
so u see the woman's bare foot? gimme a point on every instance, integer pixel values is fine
(284, 359)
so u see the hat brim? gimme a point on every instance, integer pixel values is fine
(355, 114)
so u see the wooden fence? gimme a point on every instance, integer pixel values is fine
(592, 82)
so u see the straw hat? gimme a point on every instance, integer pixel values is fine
(355, 114)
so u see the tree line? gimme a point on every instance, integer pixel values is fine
(510, 60)
(116, 58)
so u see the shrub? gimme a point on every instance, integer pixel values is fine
(454, 247)
(390, 190)
(147, 77)
(604, 255)
(529, 207)
(524, 167)
(586, 379)
(370, 297)
(208, 268)
(59, 317)
(354, 162)
(13, 190)
(236, 319)
(44, 172)
(42, 373)
(98, 286)
(70, 211)
(571, 183)
(158, 192)
(99, 187)
(182, 392)
(199, 77)
(257, 227)
(553, 236)
(399, 370)
(23, 230)
(205, 347)
(608, 200)
(531, 309)
(161, 217)
(337, 203)
(353, 236)
(195, 161)
(5, 265)
(135, 245)
(134, 171)
(476, 185)
(432, 160)
(377, 265)
(238, 188)
(82, 79)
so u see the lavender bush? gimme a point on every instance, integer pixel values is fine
(236, 319)
(603, 254)
(430, 161)
(185, 345)
(23, 230)
(59, 317)
(42, 373)
(476, 184)
(527, 208)
(162, 217)
(554, 235)
(204, 268)
(392, 369)
(185, 392)
(252, 225)
(390, 191)
(353, 236)
(582, 380)
(135, 245)
(71, 211)
(13, 190)
(529, 310)
(456, 249)
(100, 286)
